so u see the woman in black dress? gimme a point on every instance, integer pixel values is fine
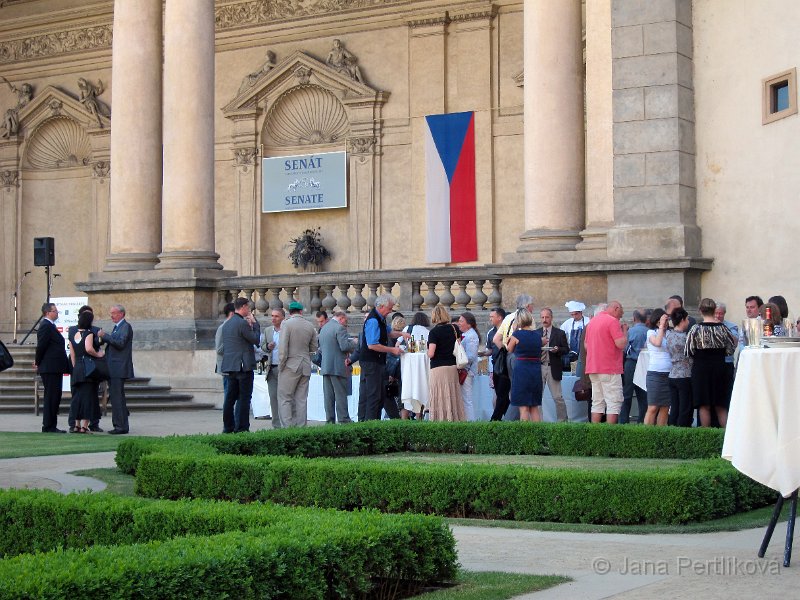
(84, 389)
(709, 343)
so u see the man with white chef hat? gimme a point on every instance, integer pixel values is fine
(574, 326)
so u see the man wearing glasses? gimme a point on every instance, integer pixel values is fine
(51, 363)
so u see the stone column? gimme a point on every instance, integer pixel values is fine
(188, 204)
(9, 238)
(554, 149)
(135, 202)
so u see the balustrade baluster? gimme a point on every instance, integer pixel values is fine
(316, 301)
(290, 294)
(359, 302)
(478, 297)
(387, 289)
(328, 302)
(447, 298)
(495, 297)
(262, 306)
(416, 297)
(462, 298)
(344, 300)
(223, 300)
(373, 295)
(275, 302)
(431, 299)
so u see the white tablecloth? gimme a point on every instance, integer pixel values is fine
(762, 438)
(640, 374)
(316, 400)
(415, 372)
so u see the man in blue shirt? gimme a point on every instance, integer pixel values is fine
(372, 358)
(637, 340)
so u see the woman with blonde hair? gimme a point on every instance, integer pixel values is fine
(444, 401)
(526, 378)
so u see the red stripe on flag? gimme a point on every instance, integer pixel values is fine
(463, 214)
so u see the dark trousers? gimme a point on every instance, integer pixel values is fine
(51, 399)
(628, 389)
(681, 409)
(372, 393)
(236, 407)
(119, 406)
(502, 389)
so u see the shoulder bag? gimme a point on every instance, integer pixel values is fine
(458, 351)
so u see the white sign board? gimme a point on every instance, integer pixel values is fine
(304, 182)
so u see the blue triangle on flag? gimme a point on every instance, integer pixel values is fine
(448, 133)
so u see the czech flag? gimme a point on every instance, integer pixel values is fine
(450, 188)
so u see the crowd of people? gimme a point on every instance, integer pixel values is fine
(690, 364)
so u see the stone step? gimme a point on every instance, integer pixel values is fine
(132, 406)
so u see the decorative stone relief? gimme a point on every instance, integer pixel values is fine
(306, 115)
(429, 21)
(363, 145)
(11, 118)
(58, 143)
(246, 156)
(252, 78)
(60, 42)
(342, 60)
(303, 75)
(88, 97)
(477, 15)
(55, 107)
(519, 79)
(9, 179)
(101, 169)
(264, 11)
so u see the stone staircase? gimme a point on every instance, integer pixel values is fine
(17, 389)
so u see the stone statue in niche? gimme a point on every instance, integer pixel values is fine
(11, 117)
(89, 94)
(342, 61)
(251, 79)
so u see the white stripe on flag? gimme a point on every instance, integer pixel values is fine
(437, 199)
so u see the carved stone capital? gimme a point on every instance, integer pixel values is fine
(101, 169)
(519, 79)
(245, 157)
(362, 145)
(9, 179)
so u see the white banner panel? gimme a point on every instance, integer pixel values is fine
(304, 182)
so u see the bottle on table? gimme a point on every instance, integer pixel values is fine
(768, 328)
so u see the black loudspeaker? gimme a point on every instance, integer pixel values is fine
(44, 252)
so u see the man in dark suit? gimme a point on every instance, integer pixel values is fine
(239, 337)
(334, 345)
(119, 356)
(556, 340)
(51, 363)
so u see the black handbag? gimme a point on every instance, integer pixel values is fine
(95, 369)
(6, 360)
(500, 363)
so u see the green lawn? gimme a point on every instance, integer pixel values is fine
(493, 586)
(15, 445)
(530, 460)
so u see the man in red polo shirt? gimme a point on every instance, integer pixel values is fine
(606, 337)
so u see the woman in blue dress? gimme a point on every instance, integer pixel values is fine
(526, 379)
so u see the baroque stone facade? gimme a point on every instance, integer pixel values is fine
(608, 163)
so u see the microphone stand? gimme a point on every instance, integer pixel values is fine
(16, 298)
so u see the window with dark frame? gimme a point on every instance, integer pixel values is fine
(779, 96)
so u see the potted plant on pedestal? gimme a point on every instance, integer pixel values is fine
(308, 253)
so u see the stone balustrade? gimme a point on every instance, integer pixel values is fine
(457, 290)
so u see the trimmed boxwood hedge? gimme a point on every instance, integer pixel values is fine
(201, 549)
(381, 437)
(695, 492)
